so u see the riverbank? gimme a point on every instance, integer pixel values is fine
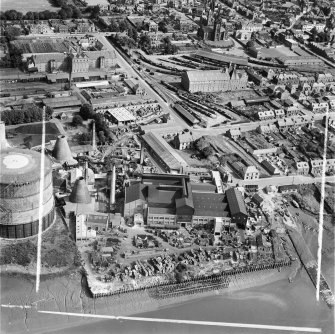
(67, 294)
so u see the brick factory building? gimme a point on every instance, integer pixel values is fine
(214, 80)
(172, 201)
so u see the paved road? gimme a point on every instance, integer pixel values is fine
(284, 180)
(249, 126)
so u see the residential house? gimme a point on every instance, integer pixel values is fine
(300, 96)
(292, 111)
(246, 172)
(270, 168)
(324, 77)
(279, 113)
(263, 129)
(302, 167)
(183, 141)
(234, 134)
(317, 166)
(266, 114)
(319, 107)
(318, 87)
(290, 188)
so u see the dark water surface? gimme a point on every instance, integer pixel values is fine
(278, 303)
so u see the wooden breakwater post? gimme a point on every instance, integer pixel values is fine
(198, 284)
(309, 263)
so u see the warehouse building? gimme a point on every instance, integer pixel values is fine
(172, 201)
(120, 116)
(214, 80)
(237, 209)
(163, 153)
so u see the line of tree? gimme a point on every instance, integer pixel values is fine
(86, 112)
(31, 114)
(66, 12)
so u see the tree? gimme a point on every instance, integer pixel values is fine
(63, 14)
(86, 111)
(84, 138)
(169, 48)
(95, 11)
(29, 16)
(162, 27)
(132, 33)
(114, 26)
(208, 151)
(250, 44)
(101, 136)
(123, 25)
(12, 32)
(77, 120)
(145, 41)
(15, 56)
(76, 13)
(48, 113)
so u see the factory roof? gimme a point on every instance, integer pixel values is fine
(209, 75)
(203, 188)
(59, 102)
(82, 148)
(135, 192)
(160, 197)
(223, 57)
(164, 151)
(100, 218)
(21, 166)
(161, 210)
(122, 114)
(235, 201)
(209, 205)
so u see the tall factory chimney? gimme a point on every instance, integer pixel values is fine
(3, 140)
(80, 193)
(113, 181)
(94, 143)
(86, 171)
(142, 154)
(62, 152)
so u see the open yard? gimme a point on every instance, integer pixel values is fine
(31, 134)
(27, 6)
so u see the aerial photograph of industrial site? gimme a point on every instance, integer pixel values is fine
(167, 166)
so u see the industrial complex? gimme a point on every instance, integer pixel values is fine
(154, 152)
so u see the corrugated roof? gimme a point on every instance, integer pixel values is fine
(164, 150)
(209, 205)
(160, 197)
(222, 57)
(203, 187)
(235, 201)
(210, 75)
(135, 192)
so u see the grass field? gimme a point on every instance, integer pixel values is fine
(32, 133)
(27, 6)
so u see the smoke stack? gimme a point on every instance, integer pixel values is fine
(80, 193)
(113, 180)
(62, 152)
(142, 154)
(94, 143)
(86, 172)
(3, 140)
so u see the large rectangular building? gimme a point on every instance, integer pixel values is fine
(163, 153)
(213, 80)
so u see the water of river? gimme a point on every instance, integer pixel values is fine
(278, 303)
